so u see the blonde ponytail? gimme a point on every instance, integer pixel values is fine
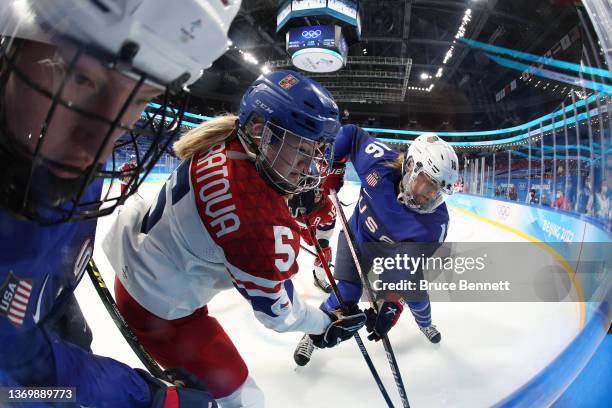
(397, 163)
(208, 134)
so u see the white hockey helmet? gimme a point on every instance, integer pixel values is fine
(429, 171)
(75, 75)
(170, 43)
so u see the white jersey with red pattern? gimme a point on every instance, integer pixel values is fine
(215, 224)
(128, 165)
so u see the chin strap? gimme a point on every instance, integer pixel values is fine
(401, 192)
(248, 144)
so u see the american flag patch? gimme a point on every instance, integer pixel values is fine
(372, 179)
(14, 296)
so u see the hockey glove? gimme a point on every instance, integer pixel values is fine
(327, 254)
(318, 270)
(186, 390)
(334, 180)
(379, 324)
(301, 204)
(343, 326)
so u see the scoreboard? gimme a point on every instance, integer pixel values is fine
(320, 48)
(344, 11)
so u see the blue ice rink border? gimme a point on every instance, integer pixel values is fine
(592, 386)
(551, 382)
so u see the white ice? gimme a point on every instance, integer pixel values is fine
(487, 349)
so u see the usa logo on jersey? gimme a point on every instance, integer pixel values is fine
(14, 296)
(372, 179)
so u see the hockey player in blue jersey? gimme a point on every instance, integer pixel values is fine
(73, 76)
(401, 200)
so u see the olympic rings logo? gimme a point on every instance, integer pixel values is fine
(503, 211)
(311, 34)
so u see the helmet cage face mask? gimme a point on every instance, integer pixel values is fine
(39, 185)
(290, 162)
(419, 190)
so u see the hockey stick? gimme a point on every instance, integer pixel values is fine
(369, 292)
(362, 348)
(308, 250)
(347, 204)
(115, 314)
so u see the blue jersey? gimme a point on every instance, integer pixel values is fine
(40, 267)
(379, 216)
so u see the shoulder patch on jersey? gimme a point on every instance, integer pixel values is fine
(432, 138)
(14, 297)
(372, 179)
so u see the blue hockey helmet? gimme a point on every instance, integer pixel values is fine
(290, 123)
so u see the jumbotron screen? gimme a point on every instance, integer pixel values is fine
(311, 36)
(319, 48)
(344, 10)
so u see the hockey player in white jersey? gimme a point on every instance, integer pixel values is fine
(221, 220)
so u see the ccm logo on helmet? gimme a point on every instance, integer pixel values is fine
(263, 106)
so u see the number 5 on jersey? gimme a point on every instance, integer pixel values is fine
(281, 247)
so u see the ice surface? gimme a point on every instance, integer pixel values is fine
(487, 349)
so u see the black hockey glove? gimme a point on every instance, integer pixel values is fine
(379, 324)
(186, 390)
(342, 327)
(303, 203)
